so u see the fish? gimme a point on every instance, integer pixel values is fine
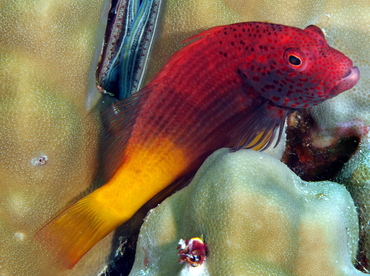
(233, 86)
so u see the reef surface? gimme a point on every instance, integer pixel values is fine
(256, 217)
(49, 52)
(49, 129)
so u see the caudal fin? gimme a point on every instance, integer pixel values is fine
(70, 235)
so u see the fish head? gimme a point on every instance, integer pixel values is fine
(297, 68)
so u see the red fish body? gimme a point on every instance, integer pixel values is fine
(233, 87)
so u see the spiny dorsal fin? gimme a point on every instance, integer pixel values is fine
(177, 57)
(205, 33)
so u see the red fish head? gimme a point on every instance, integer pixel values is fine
(296, 68)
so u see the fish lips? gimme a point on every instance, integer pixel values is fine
(347, 81)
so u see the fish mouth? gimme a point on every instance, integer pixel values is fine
(352, 73)
(347, 81)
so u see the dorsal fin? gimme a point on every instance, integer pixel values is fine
(118, 121)
(180, 54)
(205, 33)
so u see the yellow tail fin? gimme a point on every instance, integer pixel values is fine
(70, 235)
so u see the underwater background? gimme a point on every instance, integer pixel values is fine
(50, 55)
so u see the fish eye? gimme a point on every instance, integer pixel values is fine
(294, 61)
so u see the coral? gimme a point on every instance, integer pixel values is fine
(355, 175)
(312, 155)
(49, 129)
(257, 218)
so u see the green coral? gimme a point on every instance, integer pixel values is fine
(257, 217)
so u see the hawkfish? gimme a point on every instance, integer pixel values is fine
(233, 86)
